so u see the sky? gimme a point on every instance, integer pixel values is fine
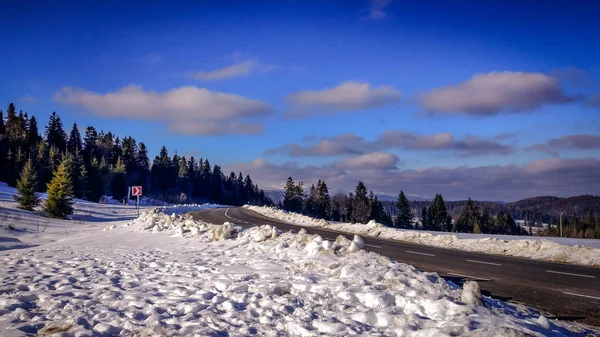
(493, 100)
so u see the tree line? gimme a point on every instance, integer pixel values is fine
(358, 207)
(362, 206)
(100, 164)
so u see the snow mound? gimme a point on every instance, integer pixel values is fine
(471, 293)
(537, 249)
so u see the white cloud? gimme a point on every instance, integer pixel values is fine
(576, 142)
(350, 144)
(496, 92)
(347, 96)
(369, 161)
(237, 69)
(188, 110)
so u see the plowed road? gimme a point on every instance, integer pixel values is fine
(558, 290)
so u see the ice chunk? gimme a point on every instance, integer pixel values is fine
(471, 293)
(543, 322)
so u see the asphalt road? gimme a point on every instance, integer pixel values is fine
(562, 291)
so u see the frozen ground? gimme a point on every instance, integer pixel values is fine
(167, 275)
(579, 251)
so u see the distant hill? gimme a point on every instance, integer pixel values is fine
(579, 206)
(540, 209)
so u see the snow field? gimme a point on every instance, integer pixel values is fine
(537, 249)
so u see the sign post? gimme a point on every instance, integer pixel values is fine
(137, 192)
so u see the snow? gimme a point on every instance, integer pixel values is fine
(165, 274)
(577, 251)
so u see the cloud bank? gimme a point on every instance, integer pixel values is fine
(570, 142)
(350, 144)
(347, 96)
(495, 93)
(560, 177)
(186, 110)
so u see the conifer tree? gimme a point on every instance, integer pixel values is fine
(404, 218)
(468, 217)
(323, 201)
(90, 145)
(376, 207)
(437, 215)
(60, 194)
(27, 197)
(84, 184)
(361, 207)
(118, 182)
(33, 135)
(293, 195)
(96, 182)
(74, 144)
(55, 134)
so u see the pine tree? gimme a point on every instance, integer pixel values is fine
(217, 184)
(118, 183)
(376, 207)
(96, 182)
(55, 134)
(84, 184)
(33, 135)
(437, 215)
(292, 196)
(27, 198)
(361, 207)
(424, 219)
(323, 201)
(60, 194)
(484, 224)
(74, 144)
(311, 202)
(404, 218)
(468, 217)
(90, 145)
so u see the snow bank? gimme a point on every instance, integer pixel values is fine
(537, 249)
(180, 209)
(169, 275)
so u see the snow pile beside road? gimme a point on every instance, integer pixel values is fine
(537, 249)
(180, 209)
(155, 216)
(137, 281)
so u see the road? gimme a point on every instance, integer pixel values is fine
(562, 291)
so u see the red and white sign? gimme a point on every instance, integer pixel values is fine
(136, 191)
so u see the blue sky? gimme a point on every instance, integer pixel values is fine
(488, 99)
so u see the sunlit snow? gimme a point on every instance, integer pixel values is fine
(164, 274)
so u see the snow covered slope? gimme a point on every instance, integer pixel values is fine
(539, 249)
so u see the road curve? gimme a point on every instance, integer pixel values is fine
(562, 291)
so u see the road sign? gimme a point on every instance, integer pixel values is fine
(136, 191)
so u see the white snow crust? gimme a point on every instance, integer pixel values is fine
(584, 252)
